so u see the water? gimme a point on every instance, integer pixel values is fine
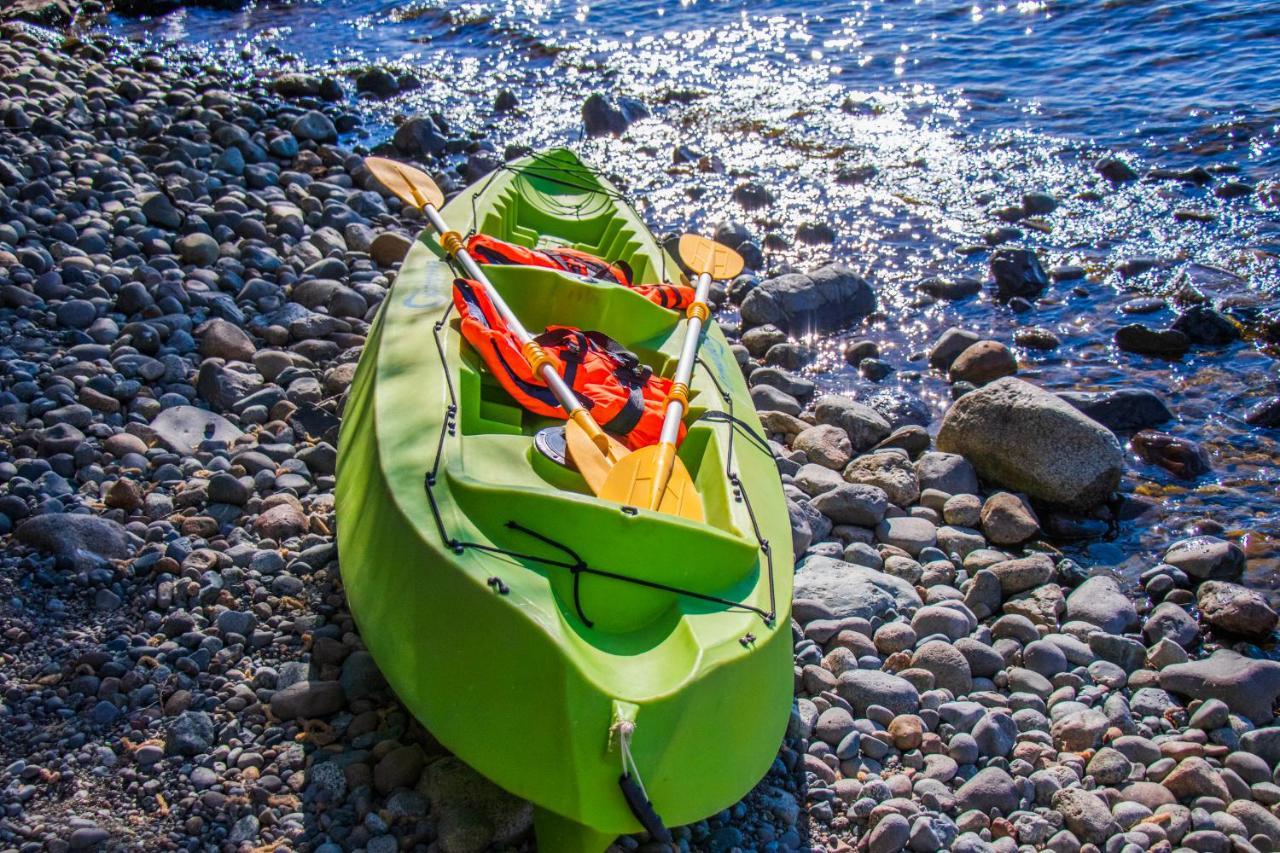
(960, 108)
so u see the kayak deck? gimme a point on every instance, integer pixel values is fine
(508, 606)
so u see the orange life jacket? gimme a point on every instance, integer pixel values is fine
(490, 250)
(622, 394)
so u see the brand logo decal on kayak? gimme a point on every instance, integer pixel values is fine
(430, 294)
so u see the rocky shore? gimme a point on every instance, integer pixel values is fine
(188, 267)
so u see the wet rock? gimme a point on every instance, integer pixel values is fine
(1163, 343)
(753, 195)
(1206, 558)
(1017, 273)
(1248, 686)
(1028, 440)
(378, 82)
(604, 116)
(1036, 337)
(418, 136)
(827, 299)
(1203, 325)
(1234, 609)
(1265, 413)
(471, 812)
(1179, 456)
(85, 541)
(1122, 410)
(1114, 169)
(949, 345)
(983, 362)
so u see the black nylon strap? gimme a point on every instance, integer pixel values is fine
(629, 415)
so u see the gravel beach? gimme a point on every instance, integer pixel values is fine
(189, 263)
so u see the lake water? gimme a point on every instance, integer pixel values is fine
(958, 109)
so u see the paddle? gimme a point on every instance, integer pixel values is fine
(654, 476)
(593, 451)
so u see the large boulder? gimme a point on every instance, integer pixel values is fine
(825, 300)
(1025, 439)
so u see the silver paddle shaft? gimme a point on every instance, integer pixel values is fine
(568, 400)
(684, 368)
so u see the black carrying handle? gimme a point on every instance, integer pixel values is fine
(643, 809)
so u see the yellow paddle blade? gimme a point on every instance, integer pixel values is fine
(412, 186)
(631, 481)
(593, 464)
(702, 255)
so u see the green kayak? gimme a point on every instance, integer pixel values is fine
(543, 635)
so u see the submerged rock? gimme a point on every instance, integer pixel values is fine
(603, 116)
(825, 300)
(1026, 439)
(1122, 410)
(1017, 273)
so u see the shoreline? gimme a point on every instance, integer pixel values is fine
(180, 649)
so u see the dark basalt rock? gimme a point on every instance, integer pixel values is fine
(1123, 410)
(1017, 272)
(1179, 456)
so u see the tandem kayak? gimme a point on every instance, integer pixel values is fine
(552, 640)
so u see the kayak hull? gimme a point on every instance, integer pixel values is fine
(455, 538)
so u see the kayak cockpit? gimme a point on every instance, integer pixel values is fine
(533, 208)
(525, 503)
